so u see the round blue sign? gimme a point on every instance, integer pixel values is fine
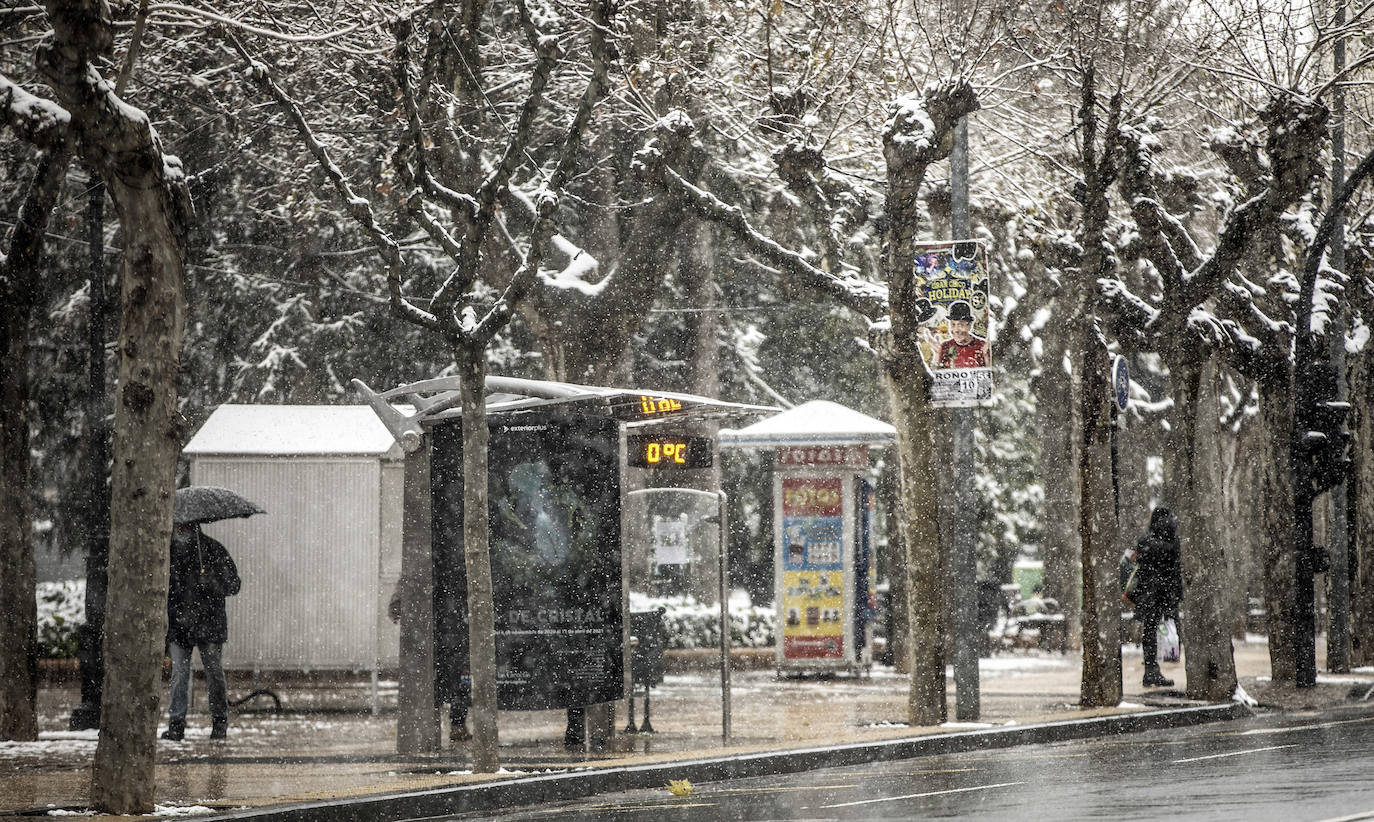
(1121, 382)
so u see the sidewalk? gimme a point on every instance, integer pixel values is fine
(327, 746)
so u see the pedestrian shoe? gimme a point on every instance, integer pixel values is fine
(220, 729)
(1154, 679)
(176, 731)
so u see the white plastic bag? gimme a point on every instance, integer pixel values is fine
(1168, 640)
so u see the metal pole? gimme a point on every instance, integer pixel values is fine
(1304, 608)
(724, 624)
(1338, 650)
(962, 557)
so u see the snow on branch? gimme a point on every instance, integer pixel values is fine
(249, 28)
(1326, 230)
(1327, 300)
(1232, 243)
(920, 127)
(42, 123)
(1207, 326)
(1135, 310)
(546, 206)
(546, 200)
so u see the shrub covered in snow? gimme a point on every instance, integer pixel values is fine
(61, 612)
(690, 624)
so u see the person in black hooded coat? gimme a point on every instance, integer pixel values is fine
(1158, 588)
(202, 575)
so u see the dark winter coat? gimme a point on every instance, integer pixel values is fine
(1159, 578)
(202, 575)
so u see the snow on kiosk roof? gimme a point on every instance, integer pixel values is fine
(818, 422)
(292, 430)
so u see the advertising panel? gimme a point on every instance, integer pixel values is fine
(951, 290)
(813, 568)
(554, 515)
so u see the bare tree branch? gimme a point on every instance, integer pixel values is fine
(866, 298)
(359, 208)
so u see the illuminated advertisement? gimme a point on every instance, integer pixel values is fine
(554, 517)
(951, 290)
(813, 568)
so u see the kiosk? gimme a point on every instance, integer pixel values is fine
(823, 504)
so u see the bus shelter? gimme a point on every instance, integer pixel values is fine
(823, 514)
(561, 459)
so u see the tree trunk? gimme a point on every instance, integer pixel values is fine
(1239, 492)
(20, 279)
(1101, 683)
(153, 207)
(472, 367)
(1192, 487)
(1274, 510)
(925, 575)
(907, 383)
(1057, 426)
(91, 637)
(18, 611)
(147, 440)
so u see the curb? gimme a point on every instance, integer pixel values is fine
(558, 787)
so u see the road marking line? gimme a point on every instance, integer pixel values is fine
(921, 795)
(1233, 753)
(925, 772)
(621, 808)
(1354, 817)
(1331, 724)
(778, 790)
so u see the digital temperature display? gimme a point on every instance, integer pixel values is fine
(648, 406)
(669, 452)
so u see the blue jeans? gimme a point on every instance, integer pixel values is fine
(214, 681)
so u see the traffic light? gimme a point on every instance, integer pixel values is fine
(1323, 441)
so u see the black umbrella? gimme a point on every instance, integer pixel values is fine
(208, 503)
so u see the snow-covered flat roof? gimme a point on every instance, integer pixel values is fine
(292, 430)
(819, 422)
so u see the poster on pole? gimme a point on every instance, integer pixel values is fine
(951, 303)
(670, 541)
(813, 568)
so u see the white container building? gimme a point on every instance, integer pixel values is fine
(319, 567)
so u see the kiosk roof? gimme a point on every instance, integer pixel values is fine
(291, 430)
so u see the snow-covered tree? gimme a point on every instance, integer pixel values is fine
(149, 194)
(455, 191)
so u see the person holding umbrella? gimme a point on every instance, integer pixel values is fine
(202, 576)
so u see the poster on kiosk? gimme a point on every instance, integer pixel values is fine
(824, 572)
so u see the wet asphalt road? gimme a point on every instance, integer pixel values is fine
(1288, 768)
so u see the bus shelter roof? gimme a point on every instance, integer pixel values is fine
(407, 409)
